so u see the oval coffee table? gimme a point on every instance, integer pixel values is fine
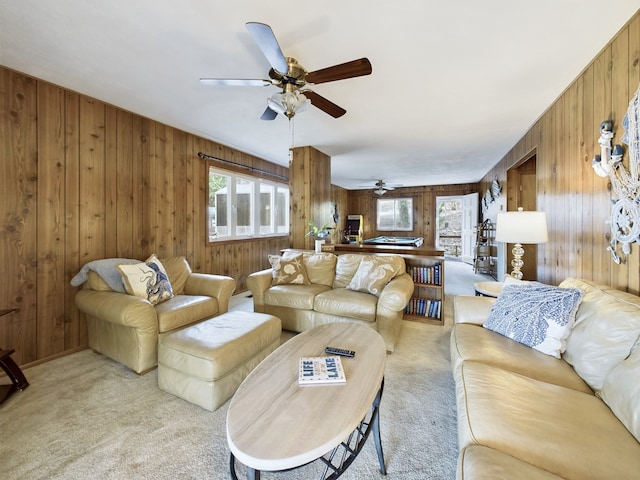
(274, 424)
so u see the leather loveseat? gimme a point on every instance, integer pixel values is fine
(529, 415)
(369, 289)
(127, 328)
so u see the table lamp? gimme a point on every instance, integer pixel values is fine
(518, 228)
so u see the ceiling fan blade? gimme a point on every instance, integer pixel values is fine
(236, 82)
(269, 114)
(266, 40)
(325, 105)
(354, 68)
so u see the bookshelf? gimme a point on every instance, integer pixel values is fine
(427, 302)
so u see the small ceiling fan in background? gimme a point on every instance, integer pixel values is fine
(291, 77)
(380, 187)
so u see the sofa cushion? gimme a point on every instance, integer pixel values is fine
(288, 270)
(374, 272)
(477, 462)
(346, 267)
(183, 310)
(606, 329)
(568, 433)
(300, 297)
(178, 270)
(621, 391)
(470, 342)
(147, 280)
(540, 316)
(347, 303)
(321, 267)
(471, 309)
(97, 283)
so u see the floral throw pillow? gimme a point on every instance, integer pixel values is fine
(147, 280)
(288, 270)
(540, 316)
(373, 274)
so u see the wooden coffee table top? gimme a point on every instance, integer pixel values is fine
(275, 424)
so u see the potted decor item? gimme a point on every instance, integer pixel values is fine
(319, 233)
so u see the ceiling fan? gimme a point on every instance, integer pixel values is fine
(381, 187)
(291, 77)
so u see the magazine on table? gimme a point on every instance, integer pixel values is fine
(321, 371)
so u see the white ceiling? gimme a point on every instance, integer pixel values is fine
(455, 83)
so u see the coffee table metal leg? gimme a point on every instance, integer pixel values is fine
(376, 430)
(252, 473)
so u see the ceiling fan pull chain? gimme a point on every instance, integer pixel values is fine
(291, 132)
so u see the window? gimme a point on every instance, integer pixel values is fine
(241, 206)
(395, 214)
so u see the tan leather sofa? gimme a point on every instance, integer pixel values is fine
(327, 298)
(527, 415)
(127, 328)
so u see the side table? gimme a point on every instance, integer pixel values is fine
(18, 380)
(488, 289)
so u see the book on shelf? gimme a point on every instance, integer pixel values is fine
(321, 371)
(424, 307)
(426, 275)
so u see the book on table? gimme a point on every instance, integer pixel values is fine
(321, 371)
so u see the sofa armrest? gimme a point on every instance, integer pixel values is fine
(395, 295)
(390, 309)
(119, 308)
(220, 287)
(471, 309)
(258, 283)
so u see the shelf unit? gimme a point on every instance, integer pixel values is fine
(427, 303)
(485, 254)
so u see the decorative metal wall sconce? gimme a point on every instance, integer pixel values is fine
(625, 182)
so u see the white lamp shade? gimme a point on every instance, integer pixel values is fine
(521, 227)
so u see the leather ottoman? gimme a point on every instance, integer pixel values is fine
(205, 363)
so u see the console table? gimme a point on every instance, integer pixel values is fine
(18, 380)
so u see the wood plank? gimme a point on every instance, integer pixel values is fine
(92, 174)
(75, 325)
(111, 181)
(19, 208)
(619, 104)
(633, 282)
(51, 220)
(123, 186)
(589, 240)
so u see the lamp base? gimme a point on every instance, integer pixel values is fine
(517, 263)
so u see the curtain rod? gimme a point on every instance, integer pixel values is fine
(204, 156)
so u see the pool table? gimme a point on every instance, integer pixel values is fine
(399, 241)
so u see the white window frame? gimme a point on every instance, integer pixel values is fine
(278, 190)
(396, 202)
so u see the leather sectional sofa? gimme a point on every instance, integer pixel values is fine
(369, 289)
(529, 415)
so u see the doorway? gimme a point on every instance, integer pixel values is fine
(449, 225)
(522, 192)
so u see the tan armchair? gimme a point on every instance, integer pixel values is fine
(127, 328)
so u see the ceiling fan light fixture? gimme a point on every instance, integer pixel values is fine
(380, 191)
(289, 103)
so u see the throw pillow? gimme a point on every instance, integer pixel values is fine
(288, 270)
(540, 316)
(147, 280)
(373, 274)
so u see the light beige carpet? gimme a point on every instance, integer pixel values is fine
(85, 416)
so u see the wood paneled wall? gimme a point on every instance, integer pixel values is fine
(363, 202)
(84, 180)
(310, 187)
(565, 140)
